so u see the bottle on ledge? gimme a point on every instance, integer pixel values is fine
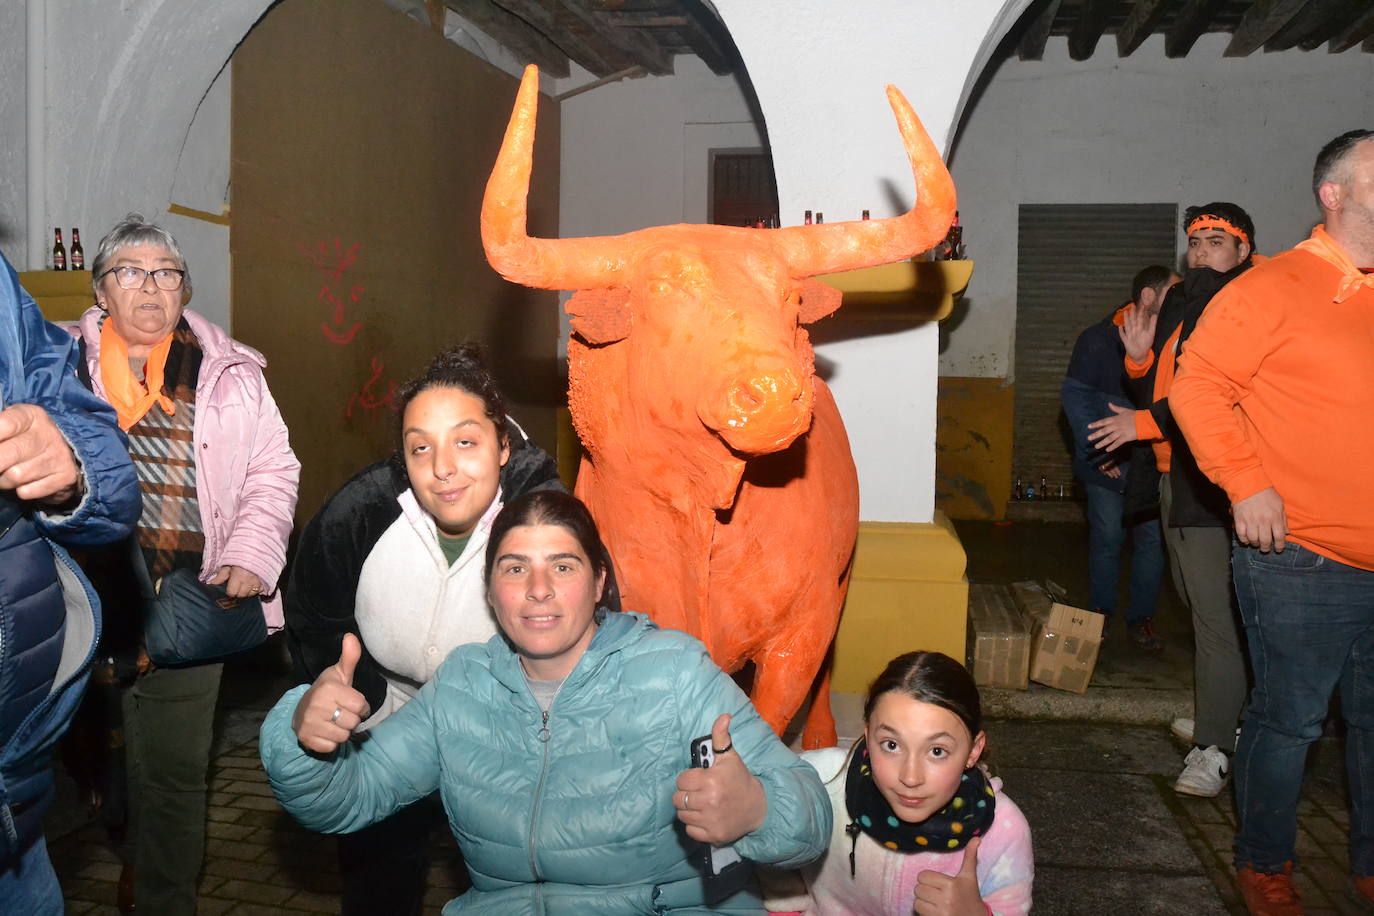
(78, 258)
(865, 216)
(59, 253)
(806, 220)
(820, 217)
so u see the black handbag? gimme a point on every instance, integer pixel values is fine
(186, 621)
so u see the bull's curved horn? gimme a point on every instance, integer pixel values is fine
(812, 250)
(585, 263)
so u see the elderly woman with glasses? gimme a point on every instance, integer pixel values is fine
(219, 491)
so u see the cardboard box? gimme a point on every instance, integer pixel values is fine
(1065, 648)
(1000, 640)
(1034, 600)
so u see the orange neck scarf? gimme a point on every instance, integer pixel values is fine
(129, 397)
(1321, 244)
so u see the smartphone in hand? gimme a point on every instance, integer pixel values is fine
(717, 858)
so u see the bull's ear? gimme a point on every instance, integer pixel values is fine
(600, 316)
(817, 300)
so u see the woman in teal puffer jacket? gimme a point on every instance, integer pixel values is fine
(560, 748)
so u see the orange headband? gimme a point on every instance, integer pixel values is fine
(1211, 221)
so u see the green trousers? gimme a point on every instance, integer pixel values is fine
(169, 717)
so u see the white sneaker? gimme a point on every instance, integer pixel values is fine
(1204, 772)
(1182, 729)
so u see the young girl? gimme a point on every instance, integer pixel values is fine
(918, 825)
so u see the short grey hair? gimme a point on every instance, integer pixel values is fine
(133, 229)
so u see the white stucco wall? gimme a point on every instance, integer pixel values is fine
(1143, 129)
(124, 82)
(201, 182)
(635, 153)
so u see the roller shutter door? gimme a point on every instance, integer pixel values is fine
(1075, 263)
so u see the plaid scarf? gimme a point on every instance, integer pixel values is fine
(169, 531)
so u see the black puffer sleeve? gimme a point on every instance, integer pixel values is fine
(321, 593)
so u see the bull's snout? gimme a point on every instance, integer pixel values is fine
(761, 411)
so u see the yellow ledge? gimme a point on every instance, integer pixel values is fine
(62, 295)
(904, 291)
(907, 592)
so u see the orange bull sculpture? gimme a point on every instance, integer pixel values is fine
(716, 463)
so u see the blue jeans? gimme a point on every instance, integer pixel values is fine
(1106, 537)
(1309, 622)
(28, 884)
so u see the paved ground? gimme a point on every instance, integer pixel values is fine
(1094, 776)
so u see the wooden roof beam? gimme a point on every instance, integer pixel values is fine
(1192, 20)
(1140, 22)
(515, 34)
(1353, 34)
(1088, 28)
(647, 22)
(1318, 21)
(1334, 25)
(709, 39)
(582, 34)
(1264, 20)
(1033, 40)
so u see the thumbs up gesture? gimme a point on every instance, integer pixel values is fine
(329, 711)
(942, 895)
(724, 802)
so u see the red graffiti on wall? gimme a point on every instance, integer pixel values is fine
(333, 265)
(374, 393)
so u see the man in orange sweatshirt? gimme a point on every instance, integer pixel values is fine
(1274, 393)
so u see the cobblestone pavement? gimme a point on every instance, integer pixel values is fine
(1111, 836)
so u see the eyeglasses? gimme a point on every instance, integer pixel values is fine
(131, 277)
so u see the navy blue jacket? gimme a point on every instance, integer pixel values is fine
(49, 616)
(1096, 378)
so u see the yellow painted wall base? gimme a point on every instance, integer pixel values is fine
(62, 295)
(907, 592)
(973, 440)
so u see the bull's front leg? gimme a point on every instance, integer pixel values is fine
(782, 680)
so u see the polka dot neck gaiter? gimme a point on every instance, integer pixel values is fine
(967, 815)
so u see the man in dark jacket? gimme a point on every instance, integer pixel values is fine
(1195, 512)
(1096, 378)
(65, 479)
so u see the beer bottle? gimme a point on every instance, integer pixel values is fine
(956, 239)
(59, 253)
(78, 255)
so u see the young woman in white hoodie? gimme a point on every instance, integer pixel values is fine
(395, 557)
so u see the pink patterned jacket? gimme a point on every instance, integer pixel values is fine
(884, 882)
(246, 473)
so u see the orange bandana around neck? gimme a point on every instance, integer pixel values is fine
(1321, 244)
(1212, 221)
(130, 399)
